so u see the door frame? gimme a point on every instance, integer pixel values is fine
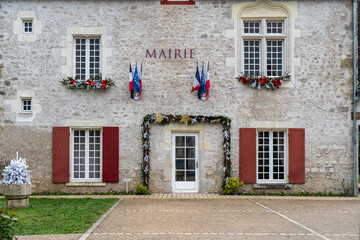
(173, 135)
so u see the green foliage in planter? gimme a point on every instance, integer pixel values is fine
(140, 189)
(232, 186)
(7, 223)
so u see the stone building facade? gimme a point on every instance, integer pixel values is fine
(310, 40)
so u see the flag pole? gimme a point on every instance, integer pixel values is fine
(141, 66)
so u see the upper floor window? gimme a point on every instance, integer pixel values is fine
(87, 57)
(263, 42)
(27, 26)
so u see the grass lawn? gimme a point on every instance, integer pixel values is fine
(59, 216)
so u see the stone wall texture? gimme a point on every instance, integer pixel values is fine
(319, 99)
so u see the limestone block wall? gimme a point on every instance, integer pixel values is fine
(318, 98)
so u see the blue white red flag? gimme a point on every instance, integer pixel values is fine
(207, 82)
(196, 83)
(140, 96)
(202, 88)
(131, 82)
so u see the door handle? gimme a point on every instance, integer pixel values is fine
(197, 164)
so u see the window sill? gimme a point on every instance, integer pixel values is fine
(86, 184)
(272, 186)
(26, 114)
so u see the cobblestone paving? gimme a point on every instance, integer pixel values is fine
(211, 216)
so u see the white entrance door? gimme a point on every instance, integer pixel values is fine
(185, 162)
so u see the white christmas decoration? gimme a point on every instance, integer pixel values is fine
(16, 172)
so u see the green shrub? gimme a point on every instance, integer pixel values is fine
(7, 223)
(140, 189)
(232, 186)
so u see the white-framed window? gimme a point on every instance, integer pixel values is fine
(263, 46)
(272, 163)
(26, 105)
(27, 26)
(87, 57)
(86, 157)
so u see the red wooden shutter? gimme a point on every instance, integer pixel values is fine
(247, 162)
(61, 152)
(110, 154)
(296, 155)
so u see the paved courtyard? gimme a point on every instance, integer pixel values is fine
(221, 217)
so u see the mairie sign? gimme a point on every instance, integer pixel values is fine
(170, 53)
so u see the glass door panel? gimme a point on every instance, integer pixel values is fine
(184, 161)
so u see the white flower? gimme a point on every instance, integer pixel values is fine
(193, 120)
(97, 85)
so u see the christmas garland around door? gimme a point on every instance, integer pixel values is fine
(173, 118)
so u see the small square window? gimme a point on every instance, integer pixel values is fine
(27, 26)
(26, 105)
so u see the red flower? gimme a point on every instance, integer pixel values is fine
(244, 80)
(73, 82)
(104, 84)
(90, 82)
(263, 80)
(277, 82)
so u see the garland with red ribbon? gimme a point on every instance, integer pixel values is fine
(259, 81)
(96, 83)
(172, 118)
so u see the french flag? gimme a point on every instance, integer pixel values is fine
(196, 83)
(131, 88)
(207, 82)
(140, 96)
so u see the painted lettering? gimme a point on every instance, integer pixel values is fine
(191, 53)
(162, 53)
(150, 55)
(174, 53)
(177, 53)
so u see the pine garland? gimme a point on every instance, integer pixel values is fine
(172, 118)
(96, 83)
(259, 81)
